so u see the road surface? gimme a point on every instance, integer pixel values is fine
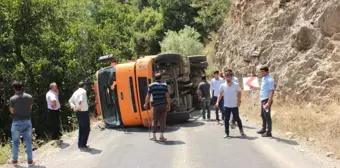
(196, 144)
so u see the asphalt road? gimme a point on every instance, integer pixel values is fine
(196, 144)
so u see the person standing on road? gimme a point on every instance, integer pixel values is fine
(204, 95)
(232, 100)
(266, 97)
(215, 84)
(21, 109)
(234, 79)
(221, 75)
(78, 103)
(53, 105)
(160, 104)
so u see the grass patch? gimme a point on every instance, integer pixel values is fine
(6, 153)
(317, 125)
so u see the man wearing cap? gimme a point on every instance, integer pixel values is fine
(53, 105)
(78, 103)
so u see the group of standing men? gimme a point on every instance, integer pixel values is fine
(226, 94)
(21, 109)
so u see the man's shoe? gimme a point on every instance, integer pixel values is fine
(31, 163)
(226, 136)
(267, 134)
(262, 131)
(162, 139)
(242, 133)
(59, 142)
(12, 162)
(154, 138)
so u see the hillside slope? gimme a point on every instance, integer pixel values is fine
(298, 39)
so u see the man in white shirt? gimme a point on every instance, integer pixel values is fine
(235, 80)
(232, 100)
(53, 105)
(215, 84)
(78, 103)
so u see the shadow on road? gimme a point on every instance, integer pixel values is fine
(244, 137)
(191, 124)
(286, 141)
(170, 142)
(244, 126)
(35, 166)
(92, 151)
(130, 130)
(64, 145)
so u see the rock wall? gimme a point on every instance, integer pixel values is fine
(298, 39)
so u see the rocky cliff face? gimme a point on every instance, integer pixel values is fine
(298, 39)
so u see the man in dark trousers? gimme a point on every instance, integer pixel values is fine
(232, 100)
(160, 104)
(53, 105)
(21, 109)
(79, 104)
(203, 91)
(215, 84)
(266, 97)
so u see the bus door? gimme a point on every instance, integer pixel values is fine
(127, 94)
(143, 77)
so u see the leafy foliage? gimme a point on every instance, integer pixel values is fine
(44, 41)
(186, 42)
(211, 13)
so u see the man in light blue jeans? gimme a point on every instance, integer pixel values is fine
(20, 108)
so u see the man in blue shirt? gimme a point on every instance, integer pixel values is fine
(266, 97)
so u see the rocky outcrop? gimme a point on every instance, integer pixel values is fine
(299, 40)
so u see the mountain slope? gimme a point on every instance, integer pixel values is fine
(299, 40)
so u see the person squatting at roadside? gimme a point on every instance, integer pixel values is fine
(266, 97)
(203, 92)
(232, 100)
(160, 104)
(215, 84)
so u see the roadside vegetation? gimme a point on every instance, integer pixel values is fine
(43, 41)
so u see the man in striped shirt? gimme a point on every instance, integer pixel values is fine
(160, 104)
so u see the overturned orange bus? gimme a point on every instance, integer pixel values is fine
(120, 89)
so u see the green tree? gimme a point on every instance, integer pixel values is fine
(211, 14)
(176, 13)
(148, 32)
(186, 42)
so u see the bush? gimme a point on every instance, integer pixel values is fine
(185, 42)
